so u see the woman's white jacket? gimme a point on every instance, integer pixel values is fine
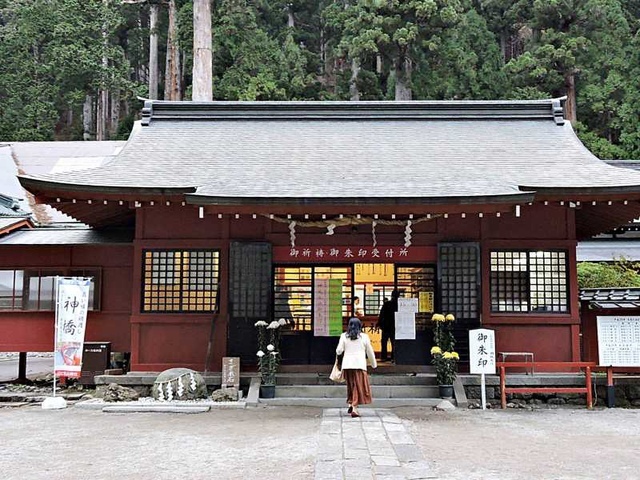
(356, 352)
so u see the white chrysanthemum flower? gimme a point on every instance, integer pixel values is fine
(274, 324)
(282, 322)
(270, 348)
(260, 323)
(260, 353)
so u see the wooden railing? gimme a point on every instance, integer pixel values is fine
(549, 367)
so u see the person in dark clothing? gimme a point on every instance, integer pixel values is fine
(387, 324)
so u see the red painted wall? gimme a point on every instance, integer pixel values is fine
(28, 331)
(550, 337)
(159, 341)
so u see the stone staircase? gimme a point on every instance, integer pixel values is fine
(388, 390)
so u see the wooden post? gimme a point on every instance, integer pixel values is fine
(589, 392)
(22, 367)
(503, 386)
(611, 391)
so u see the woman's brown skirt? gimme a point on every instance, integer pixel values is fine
(358, 387)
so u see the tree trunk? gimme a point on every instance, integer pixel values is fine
(403, 78)
(153, 51)
(202, 55)
(378, 63)
(353, 82)
(570, 105)
(114, 117)
(101, 115)
(172, 74)
(291, 22)
(87, 118)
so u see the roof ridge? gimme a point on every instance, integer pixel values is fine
(550, 109)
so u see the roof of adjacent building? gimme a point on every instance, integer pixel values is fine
(608, 250)
(244, 152)
(39, 158)
(611, 297)
(70, 234)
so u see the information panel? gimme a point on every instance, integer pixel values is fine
(619, 341)
(482, 351)
(327, 307)
(406, 319)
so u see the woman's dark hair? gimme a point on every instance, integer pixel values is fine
(354, 328)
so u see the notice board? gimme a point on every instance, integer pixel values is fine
(618, 341)
(327, 307)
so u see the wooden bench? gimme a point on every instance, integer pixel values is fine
(564, 367)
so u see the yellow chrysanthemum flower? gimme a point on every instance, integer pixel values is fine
(436, 350)
(447, 355)
(455, 355)
(450, 318)
(437, 317)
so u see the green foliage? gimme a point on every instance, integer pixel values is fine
(52, 56)
(622, 273)
(249, 64)
(54, 53)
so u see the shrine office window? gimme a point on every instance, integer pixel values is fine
(185, 281)
(35, 289)
(524, 281)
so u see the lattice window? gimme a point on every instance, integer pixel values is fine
(250, 280)
(459, 274)
(180, 280)
(529, 281)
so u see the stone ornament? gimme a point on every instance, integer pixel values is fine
(179, 384)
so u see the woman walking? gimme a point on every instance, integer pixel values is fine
(357, 350)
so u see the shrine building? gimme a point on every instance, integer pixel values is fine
(218, 214)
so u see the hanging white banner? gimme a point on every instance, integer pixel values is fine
(72, 301)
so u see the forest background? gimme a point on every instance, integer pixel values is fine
(74, 69)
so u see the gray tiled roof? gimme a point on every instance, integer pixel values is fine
(245, 151)
(611, 297)
(608, 250)
(630, 164)
(71, 235)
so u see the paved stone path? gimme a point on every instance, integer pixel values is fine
(376, 445)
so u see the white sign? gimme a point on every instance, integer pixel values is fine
(619, 341)
(72, 301)
(482, 351)
(405, 318)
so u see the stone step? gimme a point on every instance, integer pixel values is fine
(339, 391)
(374, 379)
(341, 402)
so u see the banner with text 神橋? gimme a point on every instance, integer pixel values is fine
(72, 301)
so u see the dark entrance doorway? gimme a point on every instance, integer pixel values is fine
(364, 289)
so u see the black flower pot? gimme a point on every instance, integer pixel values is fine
(446, 391)
(267, 391)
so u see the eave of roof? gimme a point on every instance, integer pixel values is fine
(515, 198)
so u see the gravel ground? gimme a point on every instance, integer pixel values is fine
(259, 443)
(519, 444)
(281, 443)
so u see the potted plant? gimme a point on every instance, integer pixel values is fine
(445, 359)
(269, 354)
